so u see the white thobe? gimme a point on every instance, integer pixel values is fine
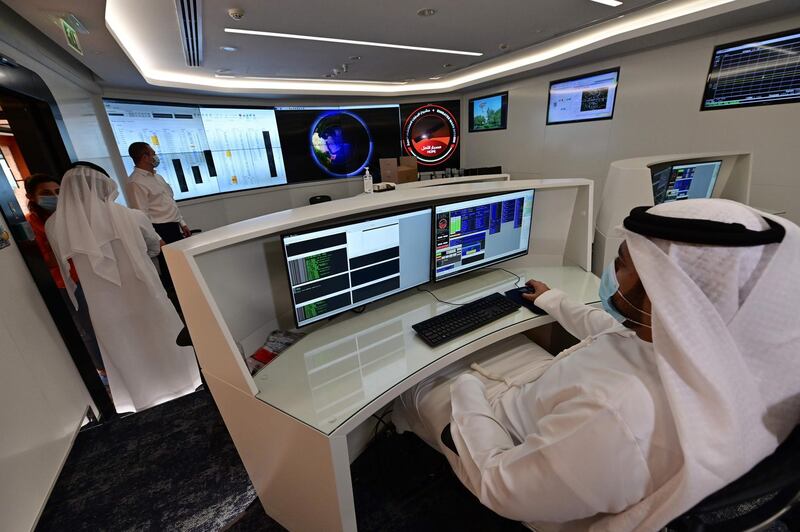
(590, 436)
(136, 329)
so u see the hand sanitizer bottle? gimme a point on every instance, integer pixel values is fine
(367, 181)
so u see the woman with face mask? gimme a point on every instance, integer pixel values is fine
(685, 380)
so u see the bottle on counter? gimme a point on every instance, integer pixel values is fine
(367, 181)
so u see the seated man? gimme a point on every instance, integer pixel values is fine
(686, 381)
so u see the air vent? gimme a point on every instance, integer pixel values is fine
(190, 20)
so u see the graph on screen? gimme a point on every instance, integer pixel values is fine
(203, 150)
(755, 72)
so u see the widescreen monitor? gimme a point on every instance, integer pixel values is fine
(324, 142)
(760, 71)
(685, 181)
(342, 267)
(488, 113)
(478, 232)
(204, 150)
(583, 98)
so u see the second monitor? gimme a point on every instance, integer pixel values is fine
(478, 232)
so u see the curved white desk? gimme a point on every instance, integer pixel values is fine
(291, 422)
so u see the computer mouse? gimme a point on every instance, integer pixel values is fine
(515, 294)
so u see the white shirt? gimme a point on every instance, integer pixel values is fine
(151, 194)
(592, 436)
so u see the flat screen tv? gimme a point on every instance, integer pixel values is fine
(488, 113)
(583, 98)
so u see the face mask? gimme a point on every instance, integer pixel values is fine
(156, 161)
(48, 203)
(609, 285)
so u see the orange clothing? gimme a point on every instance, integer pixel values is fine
(37, 223)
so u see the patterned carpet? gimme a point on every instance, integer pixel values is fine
(174, 467)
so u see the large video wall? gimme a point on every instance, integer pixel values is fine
(207, 150)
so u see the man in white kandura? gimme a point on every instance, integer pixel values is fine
(135, 324)
(684, 383)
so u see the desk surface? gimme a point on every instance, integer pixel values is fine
(344, 364)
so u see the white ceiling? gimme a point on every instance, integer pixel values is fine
(473, 25)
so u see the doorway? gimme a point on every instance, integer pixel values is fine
(31, 142)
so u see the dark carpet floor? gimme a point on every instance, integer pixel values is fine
(174, 467)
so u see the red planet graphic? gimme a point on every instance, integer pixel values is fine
(430, 134)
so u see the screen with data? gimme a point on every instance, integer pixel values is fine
(478, 232)
(203, 150)
(758, 71)
(583, 98)
(343, 267)
(685, 181)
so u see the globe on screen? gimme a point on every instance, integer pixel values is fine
(341, 144)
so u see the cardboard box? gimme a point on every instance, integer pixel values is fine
(404, 172)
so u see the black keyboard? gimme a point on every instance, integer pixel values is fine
(464, 319)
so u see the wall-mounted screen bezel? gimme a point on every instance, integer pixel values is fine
(503, 112)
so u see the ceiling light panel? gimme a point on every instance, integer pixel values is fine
(162, 66)
(612, 3)
(349, 41)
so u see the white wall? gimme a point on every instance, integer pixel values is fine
(657, 112)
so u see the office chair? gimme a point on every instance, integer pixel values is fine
(776, 476)
(313, 200)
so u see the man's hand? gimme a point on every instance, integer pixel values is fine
(186, 231)
(538, 288)
(161, 243)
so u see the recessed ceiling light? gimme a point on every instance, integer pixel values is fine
(350, 41)
(426, 12)
(447, 65)
(503, 46)
(223, 70)
(435, 77)
(612, 3)
(354, 57)
(228, 48)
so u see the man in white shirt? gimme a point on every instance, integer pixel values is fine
(151, 194)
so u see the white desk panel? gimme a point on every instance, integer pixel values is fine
(342, 366)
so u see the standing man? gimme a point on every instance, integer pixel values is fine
(151, 194)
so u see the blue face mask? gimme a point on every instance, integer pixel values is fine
(609, 285)
(48, 203)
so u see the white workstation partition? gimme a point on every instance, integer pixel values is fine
(293, 423)
(629, 184)
(458, 180)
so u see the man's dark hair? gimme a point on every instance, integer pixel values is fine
(137, 150)
(33, 181)
(87, 164)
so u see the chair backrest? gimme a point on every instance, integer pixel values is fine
(777, 475)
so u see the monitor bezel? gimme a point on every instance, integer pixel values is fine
(504, 112)
(618, 71)
(703, 99)
(345, 221)
(527, 249)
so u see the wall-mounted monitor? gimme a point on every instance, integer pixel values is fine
(478, 232)
(342, 267)
(338, 142)
(488, 113)
(583, 98)
(684, 181)
(760, 71)
(204, 150)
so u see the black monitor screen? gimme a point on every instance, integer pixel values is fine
(343, 267)
(324, 143)
(685, 181)
(758, 71)
(488, 113)
(477, 232)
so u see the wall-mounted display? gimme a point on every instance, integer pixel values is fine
(431, 133)
(323, 143)
(488, 113)
(203, 150)
(583, 98)
(760, 71)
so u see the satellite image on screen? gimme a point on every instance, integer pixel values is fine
(594, 99)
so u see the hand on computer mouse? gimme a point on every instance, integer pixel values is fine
(536, 288)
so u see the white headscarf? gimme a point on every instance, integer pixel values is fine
(87, 220)
(726, 335)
